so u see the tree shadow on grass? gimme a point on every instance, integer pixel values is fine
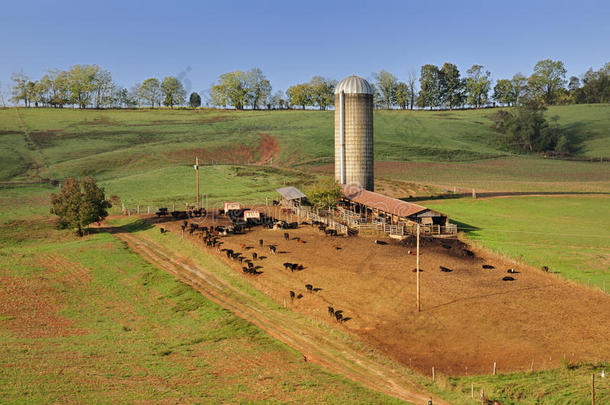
(132, 227)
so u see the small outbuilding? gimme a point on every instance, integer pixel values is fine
(291, 196)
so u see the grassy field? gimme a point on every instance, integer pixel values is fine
(87, 320)
(570, 235)
(62, 143)
(136, 349)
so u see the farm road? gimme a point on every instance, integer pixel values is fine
(300, 333)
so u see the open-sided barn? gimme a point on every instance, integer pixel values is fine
(374, 206)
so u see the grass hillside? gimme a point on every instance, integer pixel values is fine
(109, 144)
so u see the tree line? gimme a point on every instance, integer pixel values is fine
(435, 87)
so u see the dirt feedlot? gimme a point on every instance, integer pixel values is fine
(470, 317)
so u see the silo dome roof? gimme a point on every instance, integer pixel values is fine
(354, 85)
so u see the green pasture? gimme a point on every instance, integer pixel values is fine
(570, 235)
(60, 143)
(510, 174)
(137, 334)
(131, 332)
(177, 185)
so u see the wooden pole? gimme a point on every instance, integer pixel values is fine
(417, 271)
(197, 170)
(592, 389)
(433, 374)
(494, 368)
(472, 390)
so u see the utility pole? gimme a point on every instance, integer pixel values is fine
(197, 171)
(417, 271)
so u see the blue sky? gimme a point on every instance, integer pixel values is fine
(293, 41)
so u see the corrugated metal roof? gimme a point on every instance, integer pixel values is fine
(382, 202)
(354, 85)
(290, 193)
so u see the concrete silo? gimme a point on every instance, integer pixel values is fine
(354, 133)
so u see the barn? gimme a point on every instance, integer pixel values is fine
(377, 208)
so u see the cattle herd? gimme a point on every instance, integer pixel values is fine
(251, 261)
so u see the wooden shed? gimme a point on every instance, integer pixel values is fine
(291, 196)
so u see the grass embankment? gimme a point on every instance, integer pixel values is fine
(87, 320)
(570, 235)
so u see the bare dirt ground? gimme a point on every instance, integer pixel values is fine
(357, 364)
(470, 317)
(35, 304)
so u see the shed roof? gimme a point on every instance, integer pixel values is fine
(290, 193)
(382, 202)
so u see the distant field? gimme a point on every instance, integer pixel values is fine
(62, 143)
(571, 235)
(503, 174)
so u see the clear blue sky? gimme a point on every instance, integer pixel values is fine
(293, 41)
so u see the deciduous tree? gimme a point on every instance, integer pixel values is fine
(79, 205)
(150, 91)
(172, 91)
(519, 85)
(503, 92)
(231, 89)
(322, 91)
(430, 87)
(258, 87)
(402, 95)
(547, 80)
(299, 94)
(451, 86)
(386, 84)
(478, 84)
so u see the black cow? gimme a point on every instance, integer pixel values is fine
(309, 287)
(508, 278)
(286, 236)
(331, 311)
(260, 242)
(292, 295)
(287, 266)
(338, 316)
(272, 249)
(488, 266)
(445, 269)
(380, 242)
(254, 255)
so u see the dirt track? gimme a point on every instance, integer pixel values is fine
(470, 317)
(309, 338)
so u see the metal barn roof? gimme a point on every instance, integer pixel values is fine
(290, 193)
(382, 202)
(354, 85)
